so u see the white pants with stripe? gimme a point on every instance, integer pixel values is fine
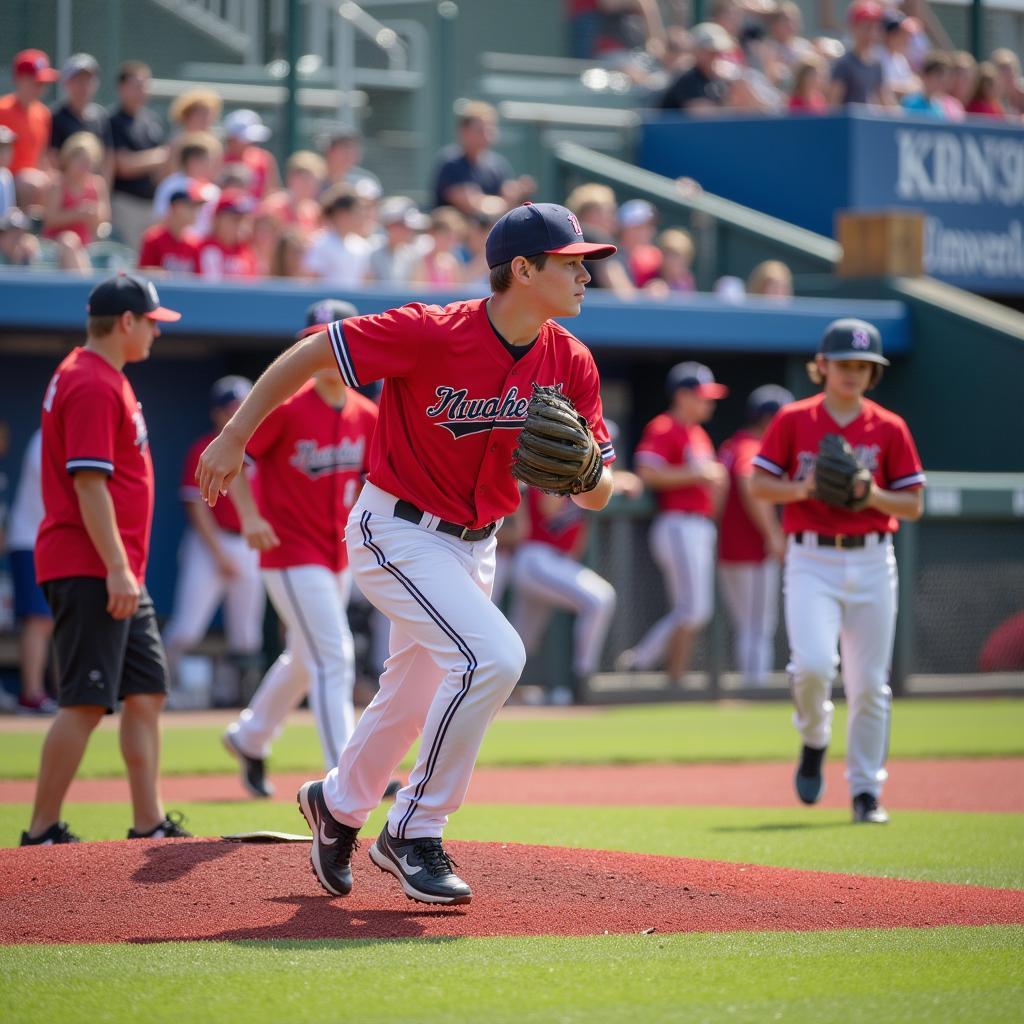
(544, 579)
(843, 602)
(750, 591)
(318, 660)
(454, 660)
(683, 546)
(200, 589)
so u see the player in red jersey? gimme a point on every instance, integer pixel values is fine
(676, 460)
(457, 383)
(311, 455)
(214, 563)
(751, 544)
(172, 246)
(91, 557)
(840, 574)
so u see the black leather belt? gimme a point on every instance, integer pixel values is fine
(843, 540)
(411, 514)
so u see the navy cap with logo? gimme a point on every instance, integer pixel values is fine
(694, 377)
(232, 388)
(324, 312)
(533, 228)
(129, 293)
(852, 339)
(767, 400)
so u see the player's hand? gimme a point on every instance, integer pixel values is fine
(713, 473)
(808, 482)
(122, 593)
(259, 534)
(775, 545)
(219, 464)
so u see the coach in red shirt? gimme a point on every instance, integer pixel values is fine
(91, 554)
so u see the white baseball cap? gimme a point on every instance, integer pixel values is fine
(636, 211)
(246, 124)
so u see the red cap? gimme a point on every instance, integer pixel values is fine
(864, 10)
(34, 64)
(234, 200)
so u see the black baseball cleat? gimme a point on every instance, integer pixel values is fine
(55, 835)
(333, 843)
(253, 769)
(810, 779)
(169, 828)
(423, 868)
(867, 810)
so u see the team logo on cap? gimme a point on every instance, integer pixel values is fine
(860, 339)
(575, 224)
(151, 292)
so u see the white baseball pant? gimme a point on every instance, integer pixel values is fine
(318, 660)
(544, 579)
(201, 588)
(750, 591)
(454, 660)
(843, 602)
(683, 546)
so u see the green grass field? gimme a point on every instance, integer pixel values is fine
(900, 975)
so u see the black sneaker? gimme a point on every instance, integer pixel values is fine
(254, 770)
(867, 810)
(169, 828)
(423, 868)
(333, 843)
(810, 779)
(55, 835)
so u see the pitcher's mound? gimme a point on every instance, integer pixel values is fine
(163, 890)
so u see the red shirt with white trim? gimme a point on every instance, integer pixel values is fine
(311, 459)
(161, 249)
(92, 421)
(218, 261)
(561, 529)
(882, 443)
(454, 401)
(667, 442)
(739, 540)
(224, 512)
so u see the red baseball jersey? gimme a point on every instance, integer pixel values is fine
(739, 540)
(882, 443)
(92, 420)
(217, 261)
(311, 460)
(561, 529)
(161, 249)
(667, 442)
(224, 512)
(454, 401)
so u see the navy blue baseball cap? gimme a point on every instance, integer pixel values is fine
(533, 228)
(767, 400)
(852, 339)
(129, 293)
(694, 377)
(324, 312)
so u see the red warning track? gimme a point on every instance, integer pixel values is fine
(207, 889)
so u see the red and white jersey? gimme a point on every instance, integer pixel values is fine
(217, 261)
(454, 401)
(311, 460)
(556, 521)
(92, 421)
(739, 540)
(224, 512)
(667, 442)
(161, 249)
(882, 443)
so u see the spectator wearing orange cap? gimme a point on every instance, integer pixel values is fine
(226, 252)
(24, 112)
(857, 76)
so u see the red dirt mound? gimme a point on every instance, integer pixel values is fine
(135, 891)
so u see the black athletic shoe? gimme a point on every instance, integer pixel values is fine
(867, 810)
(333, 843)
(392, 788)
(810, 779)
(423, 868)
(169, 828)
(55, 835)
(254, 769)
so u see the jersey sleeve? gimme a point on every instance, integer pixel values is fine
(370, 348)
(657, 445)
(188, 489)
(586, 396)
(266, 434)
(776, 451)
(91, 419)
(903, 469)
(743, 455)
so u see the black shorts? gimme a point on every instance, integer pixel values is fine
(101, 660)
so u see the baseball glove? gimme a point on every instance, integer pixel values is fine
(839, 477)
(557, 452)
